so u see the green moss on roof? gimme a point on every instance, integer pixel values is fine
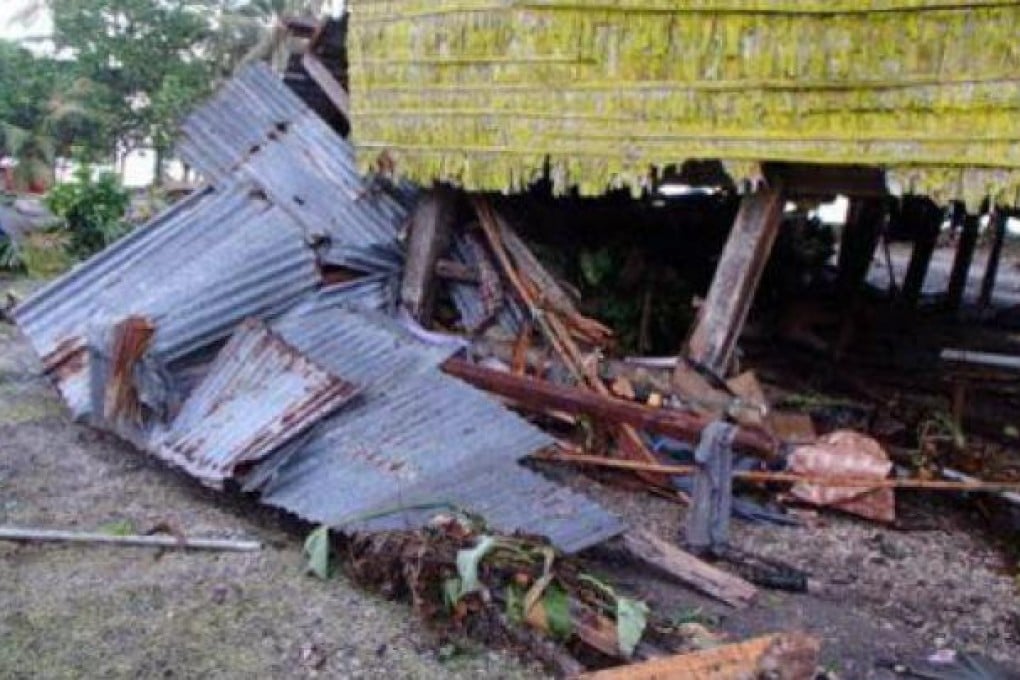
(481, 91)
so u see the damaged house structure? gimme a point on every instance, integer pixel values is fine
(369, 314)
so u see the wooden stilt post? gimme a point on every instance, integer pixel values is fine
(864, 222)
(431, 226)
(998, 226)
(925, 219)
(736, 279)
(962, 261)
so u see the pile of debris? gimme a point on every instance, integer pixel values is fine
(217, 338)
(277, 332)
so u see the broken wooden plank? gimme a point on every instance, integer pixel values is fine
(184, 542)
(556, 331)
(332, 88)
(736, 279)
(964, 356)
(456, 271)
(784, 656)
(543, 395)
(689, 570)
(431, 227)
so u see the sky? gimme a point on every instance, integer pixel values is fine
(40, 24)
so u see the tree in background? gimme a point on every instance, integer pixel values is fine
(127, 71)
(44, 110)
(148, 58)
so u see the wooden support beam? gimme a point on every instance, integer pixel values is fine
(864, 222)
(962, 261)
(998, 227)
(332, 88)
(724, 312)
(540, 395)
(924, 218)
(431, 228)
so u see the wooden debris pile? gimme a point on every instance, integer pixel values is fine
(530, 345)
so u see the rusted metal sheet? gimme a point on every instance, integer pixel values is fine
(195, 272)
(259, 394)
(415, 441)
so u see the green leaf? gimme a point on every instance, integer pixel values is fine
(557, 612)
(120, 527)
(631, 619)
(451, 592)
(317, 552)
(515, 603)
(468, 561)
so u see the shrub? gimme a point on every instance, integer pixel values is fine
(93, 210)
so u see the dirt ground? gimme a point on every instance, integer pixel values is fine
(938, 580)
(76, 611)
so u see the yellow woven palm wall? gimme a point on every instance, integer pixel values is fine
(481, 91)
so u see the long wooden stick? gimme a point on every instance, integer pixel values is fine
(760, 476)
(52, 535)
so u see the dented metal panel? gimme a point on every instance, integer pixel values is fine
(258, 395)
(195, 272)
(256, 128)
(416, 436)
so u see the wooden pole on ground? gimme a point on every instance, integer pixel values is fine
(52, 535)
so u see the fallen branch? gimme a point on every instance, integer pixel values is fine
(51, 535)
(765, 477)
(540, 395)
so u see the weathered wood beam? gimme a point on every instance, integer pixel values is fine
(740, 267)
(689, 569)
(540, 395)
(924, 218)
(332, 88)
(431, 228)
(962, 261)
(998, 227)
(452, 270)
(864, 221)
(819, 180)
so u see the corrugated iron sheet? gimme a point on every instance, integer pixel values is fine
(415, 437)
(258, 395)
(195, 273)
(137, 340)
(255, 128)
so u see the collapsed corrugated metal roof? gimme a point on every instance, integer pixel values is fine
(134, 339)
(392, 448)
(194, 272)
(256, 129)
